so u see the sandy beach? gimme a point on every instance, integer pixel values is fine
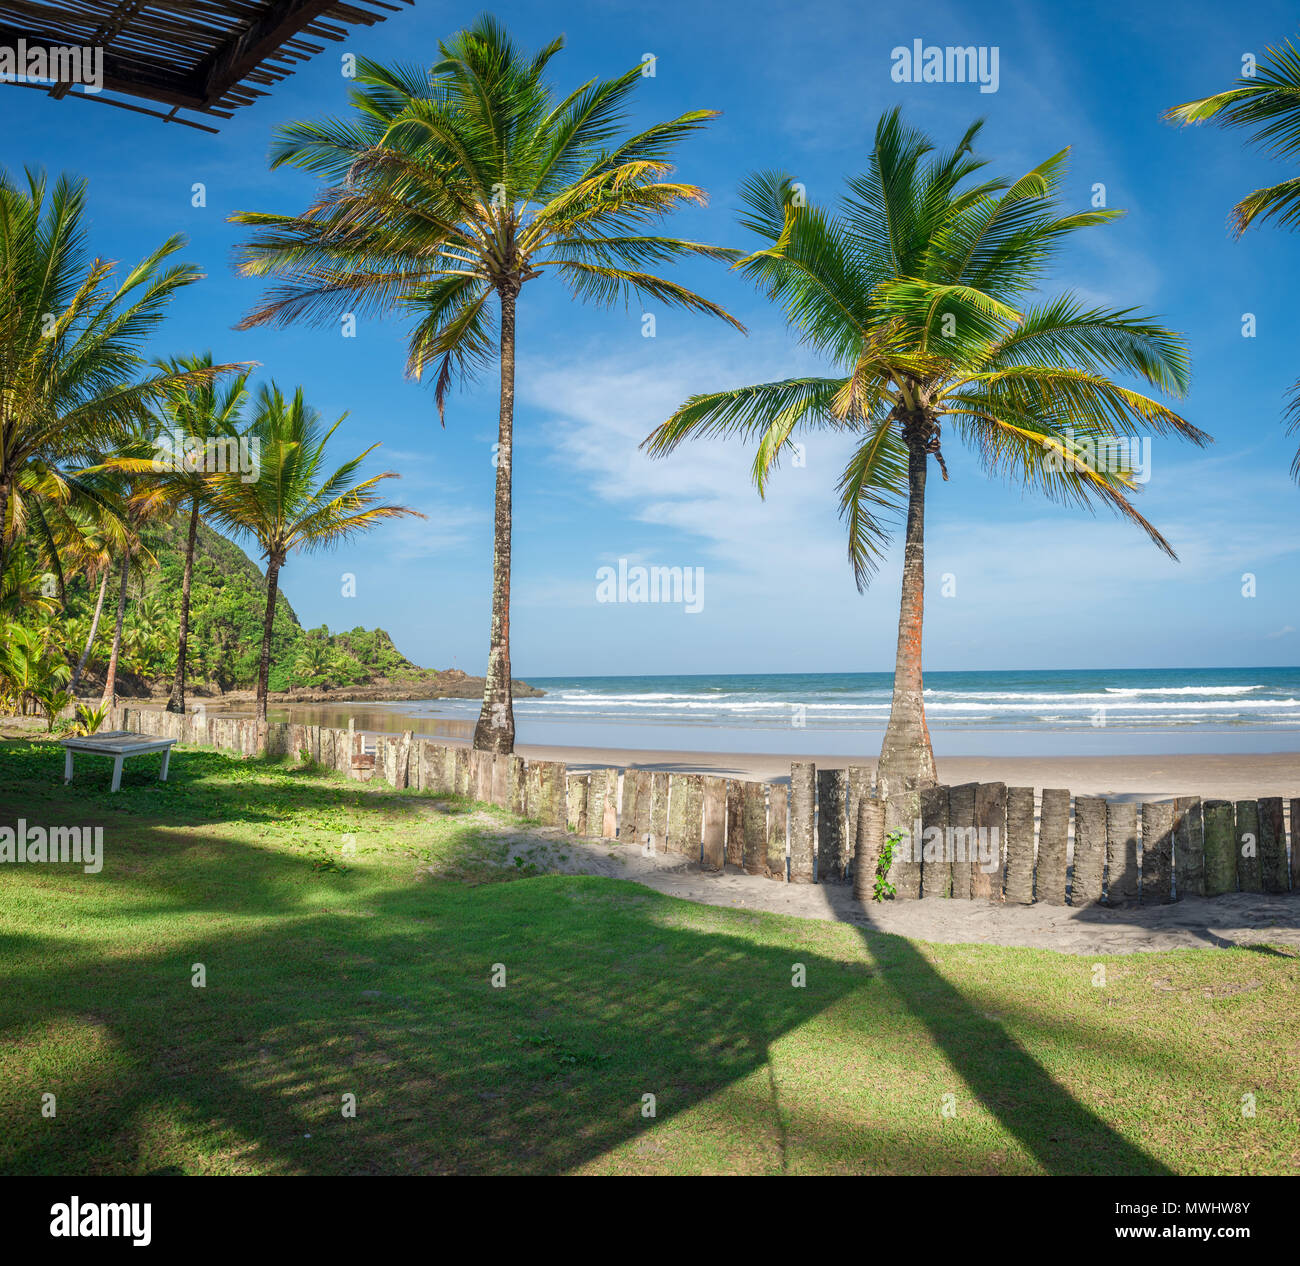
(1234, 776)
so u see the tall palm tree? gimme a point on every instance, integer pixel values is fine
(459, 186)
(915, 292)
(1267, 105)
(296, 503)
(70, 336)
(134, 556)
(197, 422)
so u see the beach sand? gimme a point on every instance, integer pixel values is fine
(1236, 776)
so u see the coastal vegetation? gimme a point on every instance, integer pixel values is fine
(449, 191)
(1266, 104)
(921, 290)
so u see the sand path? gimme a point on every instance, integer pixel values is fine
(1236, 919)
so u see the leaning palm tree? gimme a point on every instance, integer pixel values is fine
(198, 429)
(454, 188)
(1267, 105)
(295, 503)
(70, 337)
(916, 293)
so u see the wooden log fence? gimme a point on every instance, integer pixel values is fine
(968, 842)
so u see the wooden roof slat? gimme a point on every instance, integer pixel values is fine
(199, 55)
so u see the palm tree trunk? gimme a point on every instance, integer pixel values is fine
(176, 703)
(5, 489)
(906, 757)
(495, 731)
(90, 641)
(264, 669)
(110, 682)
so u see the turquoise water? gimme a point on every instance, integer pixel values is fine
(1102, 711)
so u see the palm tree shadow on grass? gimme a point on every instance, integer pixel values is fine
(1009, 1083)
(388, 999)
(387, 996)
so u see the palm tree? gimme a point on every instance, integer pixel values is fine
(911, 292)
(198, 422)
(31, 666)
(70, 334)
(1267, 104)
(134, 557)
(460, 185)
(294, 504)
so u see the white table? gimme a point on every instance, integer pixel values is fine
(119, 744)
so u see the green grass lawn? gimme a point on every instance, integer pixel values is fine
(349, 934)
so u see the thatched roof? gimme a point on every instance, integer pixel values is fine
(205, 56)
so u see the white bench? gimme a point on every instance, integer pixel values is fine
(119, 744)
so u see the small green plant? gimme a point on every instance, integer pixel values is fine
(90, 719)
(886, 859)
(53, 700)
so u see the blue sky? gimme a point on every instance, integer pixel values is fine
(1036, 585)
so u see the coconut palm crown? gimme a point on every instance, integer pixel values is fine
(1267, 105)
(295, 502)
(920, 292)
(450, 190)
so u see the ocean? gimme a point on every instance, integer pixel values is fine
(1101, 711)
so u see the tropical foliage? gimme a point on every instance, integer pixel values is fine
(297, 503)
(920, 291)
(1266, 104)
(450, 190)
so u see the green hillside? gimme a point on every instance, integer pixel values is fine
(227, 608)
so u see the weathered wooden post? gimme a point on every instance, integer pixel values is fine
(483, 764)
(1157, 853)
(627, 813)
(991, 828)
(1089, 850)
(961, 830)
(803, 808)
(1123, 877)
(641, 825)
(1250, 874)
(1272, 844)
(596, 801)
(434, 758)
(832, 789)
(714, 812)
(903, 814)
(517, 787)
(754, 855)
(610, 822)
(685, 815)
(577, 798)
(1053, 844)
(501, 779)
(659, 812)
(936, 866)
(859, 785)
(735, 822)
(871, 839)
(403, 757)
(777, 823)
(1189, 848)
(1220, 854)
(1295, 845)
(1020, 845)
(552, 780)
